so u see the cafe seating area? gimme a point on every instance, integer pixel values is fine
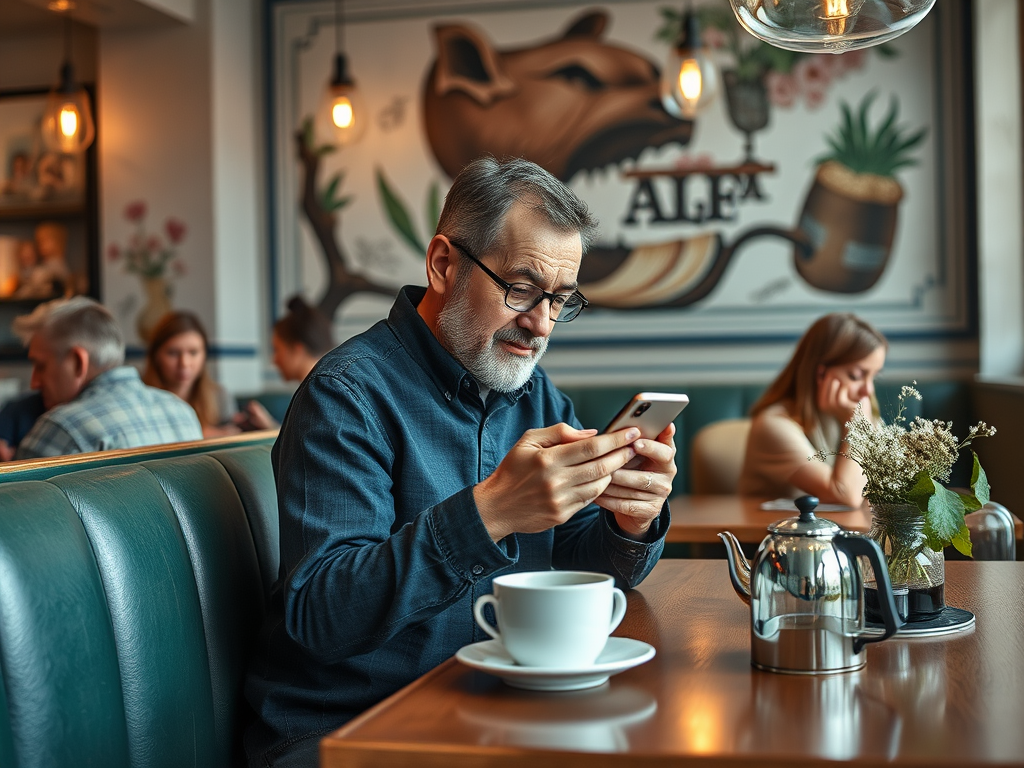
(134, 584)
(235, 161)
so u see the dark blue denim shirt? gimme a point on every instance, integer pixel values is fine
(383, 552)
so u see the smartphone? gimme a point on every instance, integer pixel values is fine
(651, 412)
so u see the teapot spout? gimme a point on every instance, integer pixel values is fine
(739, 566)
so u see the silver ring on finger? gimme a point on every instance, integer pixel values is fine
(650, 479)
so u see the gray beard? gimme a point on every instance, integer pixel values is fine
(462, 333)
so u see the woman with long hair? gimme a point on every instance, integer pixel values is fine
(176, 361)
(805, 410)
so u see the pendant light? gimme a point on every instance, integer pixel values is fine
(828, 26)
(342, 114)
(67, 124)
(689, 81)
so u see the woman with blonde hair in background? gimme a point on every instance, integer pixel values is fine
(176, 361)
(805, 411)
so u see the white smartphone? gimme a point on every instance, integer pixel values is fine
(652, 412)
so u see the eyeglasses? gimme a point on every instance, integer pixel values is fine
(522, 297)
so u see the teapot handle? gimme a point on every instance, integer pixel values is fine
(854, 544)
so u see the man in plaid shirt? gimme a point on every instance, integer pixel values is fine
(94, 402)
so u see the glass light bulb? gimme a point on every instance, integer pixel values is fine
(689, 82)
(67, 124)
(68, 120)
(341, 113)
(829, 26)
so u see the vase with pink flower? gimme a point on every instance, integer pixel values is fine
(154, 259)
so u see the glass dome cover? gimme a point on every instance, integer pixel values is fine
(828, 26)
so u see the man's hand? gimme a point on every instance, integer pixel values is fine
(549, 475)
(636, 495)
(6, 451)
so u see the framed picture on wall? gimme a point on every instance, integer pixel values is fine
(48, 216)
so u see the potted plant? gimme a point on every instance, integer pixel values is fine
(913, 515)
(850, 212)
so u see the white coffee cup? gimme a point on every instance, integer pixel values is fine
(556, 619)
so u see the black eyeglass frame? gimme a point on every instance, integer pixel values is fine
(551, 297)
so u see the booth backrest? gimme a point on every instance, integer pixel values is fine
(129, 596)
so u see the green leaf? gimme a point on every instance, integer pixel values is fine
(979, 482)
(962, 541)
(340, 203)
(327, 195)
(398, 214)
(944, 518)
(922, 492)
(307, 132)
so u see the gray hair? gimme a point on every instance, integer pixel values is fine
(484, 191)
(84, 322)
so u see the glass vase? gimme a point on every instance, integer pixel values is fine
(917, 572)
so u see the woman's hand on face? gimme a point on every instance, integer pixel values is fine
(837, 396)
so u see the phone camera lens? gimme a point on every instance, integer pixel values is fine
(640, 409)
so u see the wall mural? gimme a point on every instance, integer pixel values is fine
(711, 254)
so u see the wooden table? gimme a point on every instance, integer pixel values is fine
(699, 519)
(946, 701)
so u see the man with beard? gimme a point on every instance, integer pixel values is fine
(429, 454)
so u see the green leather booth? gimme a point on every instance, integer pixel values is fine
(129, 595)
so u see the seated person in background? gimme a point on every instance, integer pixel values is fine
(16, 419)
(429, 454)
(176, 361)
(805, 410)
(19, 414)
(299, 340)
(94, 402)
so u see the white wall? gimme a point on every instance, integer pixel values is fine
(1000, 200)
(180, 121)
(238, 192)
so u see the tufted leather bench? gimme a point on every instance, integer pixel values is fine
(129, 595)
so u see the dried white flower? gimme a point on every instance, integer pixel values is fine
(893, 455)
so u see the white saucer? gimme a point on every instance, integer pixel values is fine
(621, 653)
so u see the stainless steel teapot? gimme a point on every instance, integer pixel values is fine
(806, 595)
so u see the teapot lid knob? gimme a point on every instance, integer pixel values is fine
(806, 505)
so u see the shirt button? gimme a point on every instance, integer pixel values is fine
(447, 395)
(477, 570)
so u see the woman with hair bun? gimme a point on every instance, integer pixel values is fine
(299, 339)
(805, 411)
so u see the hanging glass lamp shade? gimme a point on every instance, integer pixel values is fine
(689, 81)
(67, 124)
(828, 26)
(342, 115)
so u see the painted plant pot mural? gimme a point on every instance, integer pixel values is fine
(850, 214)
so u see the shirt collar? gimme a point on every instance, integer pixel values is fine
(447, 372)
(111, 376)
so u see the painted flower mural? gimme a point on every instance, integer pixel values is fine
(154, 259)
(757, 75)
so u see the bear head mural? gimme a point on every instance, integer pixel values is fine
(568, 104)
